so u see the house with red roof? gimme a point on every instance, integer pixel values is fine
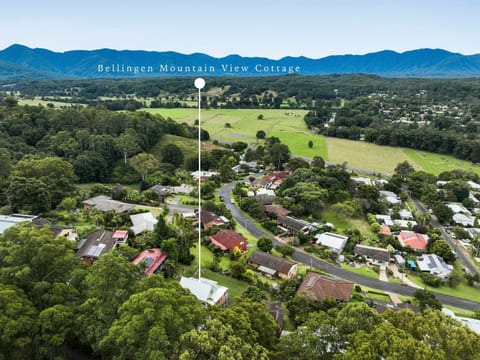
(227, 240)
(414, 240)
(319, 287)
(151, 260)
(385, 230)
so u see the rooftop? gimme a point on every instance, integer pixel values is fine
(320, 287)
(105, 203)
(207, 291)
(415, 240)
(7, 221)
(153, 259)
(270, 261)
(332, 241)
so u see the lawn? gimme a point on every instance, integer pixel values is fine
(342, 224)
(365, 155)
(207, 258)
(288, 125)
(437, 163)
(462, 291)
(363, 270)
(188, 146)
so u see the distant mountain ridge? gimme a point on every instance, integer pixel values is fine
(18, 61)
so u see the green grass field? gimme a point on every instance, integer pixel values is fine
(365, 155)
(289, 126)
(436, 163)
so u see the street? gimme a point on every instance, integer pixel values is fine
(313, 261)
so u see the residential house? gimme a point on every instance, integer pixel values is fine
(209, 219)
(184, 189)
(373, 254)
(228, 240)
(272, 265)
(264, 196)
(385, 230)
(205, 290)
(105, 203)
(458, 208)
(165, 190)
(382, 306)
(334, 242)
(362, 181)
(384, 219)
(204, 175)
(100, 242)
(414, 240)
(151, 261)
(390, 197)
(474, 199)
(435, 265)
(273, 180)
(320, 287)
(388, 221)
(275, 211)
(463, 219)
(292, 224)
(472, 324)
(68, 232)
(143, 222)
(404, 224)
(473, 185)
(7, 221)
(406, 215)
(275, 309)
(161, 190)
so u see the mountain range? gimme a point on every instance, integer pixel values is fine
(18, 61)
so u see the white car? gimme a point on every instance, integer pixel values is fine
(232, 201)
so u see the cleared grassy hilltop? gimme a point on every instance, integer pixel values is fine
(288, 125)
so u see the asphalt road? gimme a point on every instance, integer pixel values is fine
(310, 260)
(459, 250)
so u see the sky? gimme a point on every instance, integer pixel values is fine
(265, 28)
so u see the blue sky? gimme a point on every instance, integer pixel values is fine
(269, 28)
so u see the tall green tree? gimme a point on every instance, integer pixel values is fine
(151, 323)
(144, 164)
(128, 144)
(265, 244)
(28, 194)
(172, 154)
(216, 341)
(56, 173)
(17, 324)
(109, 283)
(279, 154)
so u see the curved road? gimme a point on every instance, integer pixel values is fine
(308, 260)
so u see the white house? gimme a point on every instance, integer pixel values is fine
(458, 208)
(384, 219)
(390, 197)
(335, 242)
(7, 221)
(464, 220)
(362, 180)
(435, 265)
(406, 215)
(205, 290)
(473, 185)
(143, 222)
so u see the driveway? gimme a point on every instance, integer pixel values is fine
(403, 277)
